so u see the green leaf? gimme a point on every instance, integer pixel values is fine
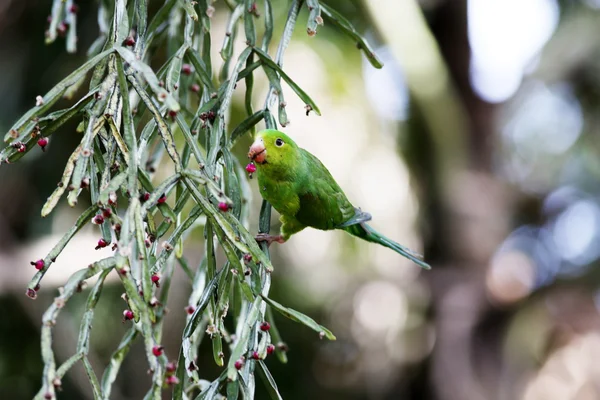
(342, 23)
(299, 317)
(55, 93)
(268, 381)
(148, 74)
(301, 93)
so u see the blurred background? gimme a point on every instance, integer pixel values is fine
(474, 144)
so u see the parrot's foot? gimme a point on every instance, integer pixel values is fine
(265, 237)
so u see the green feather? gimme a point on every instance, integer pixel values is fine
(303, 191)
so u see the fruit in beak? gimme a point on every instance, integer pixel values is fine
(258, 151)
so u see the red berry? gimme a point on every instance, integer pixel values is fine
(106, 213)
(162, 199)
(157, 351)
(171, 367)
(190, 309)
(127, 315)
(195, 88)
(172, 113)
(247, 257)
(265, 326)
(239, 364)
(39, 264)
(74, 8)
(98, 219)
(102, 244)
(250, 168)
(255, 355)
(186, 69)
(155, 279)
(129, 41)
(171, 380)
(270, 349)
(144, 197)
(42, 142)
(223, 206)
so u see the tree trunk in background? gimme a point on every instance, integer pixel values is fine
(463, 230)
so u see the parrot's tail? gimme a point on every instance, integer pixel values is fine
(369, 234)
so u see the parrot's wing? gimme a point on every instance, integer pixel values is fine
(359, 217)
(323, 204)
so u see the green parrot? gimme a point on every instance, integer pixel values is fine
(303, 191)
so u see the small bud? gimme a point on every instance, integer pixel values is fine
(112, 198)
(32, 294)
(239, 364)
(172, 114)
(171, 367)
(210, 10)
(124, 270)
(85, 182)
(157, 350)
(21, 148)
(154, 302)
(42, 142)
(250, 168)
(308, 109)
(186, 69)
(255, 355)
(171, 380)
(282, 346)
(102, 244)
(203, 116)
(223, 206)
(106, 212)
(195, 88)
(162, 199)
(98, 219)
(129, 41)
(117, 228)
(211, 116)
(39, 264)
(147, 243)
(211, 329)
(321, 335)
(270, 349)
(39, 101)
(48, 396)
(74, 9)
(155, 279)
(190, 310)
(57, 383)
(62, 28)
(127, 315)
(265, 326)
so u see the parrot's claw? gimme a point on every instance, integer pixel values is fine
(265, 237)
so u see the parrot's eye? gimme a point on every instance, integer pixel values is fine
(279, 142)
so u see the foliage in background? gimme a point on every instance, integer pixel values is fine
(129, 120)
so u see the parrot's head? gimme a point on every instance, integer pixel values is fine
(274, 148)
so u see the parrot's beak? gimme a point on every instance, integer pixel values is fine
(258, 151)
